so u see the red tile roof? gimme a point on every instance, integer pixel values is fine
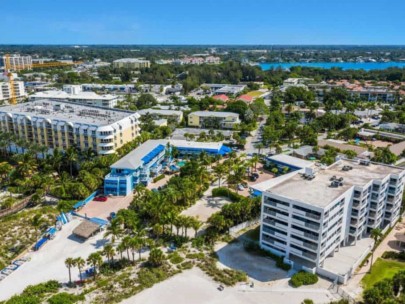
(222, 97)
(245, 98)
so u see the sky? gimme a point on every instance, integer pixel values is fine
(245, 22)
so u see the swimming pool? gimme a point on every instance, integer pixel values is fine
(181, 163)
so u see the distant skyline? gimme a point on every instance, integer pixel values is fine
(216, 22)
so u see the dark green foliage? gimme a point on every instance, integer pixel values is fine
(65, 298)
(226, 276)
(158, 178)
(393, 255)
(303, 278)
(147, 277)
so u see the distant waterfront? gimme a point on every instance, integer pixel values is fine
(367, 66)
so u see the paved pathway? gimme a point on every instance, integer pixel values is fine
(354, 285)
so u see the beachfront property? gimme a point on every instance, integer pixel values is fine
(150, 159)
(75, 94)
(131, 63)
(165, 114)
(311, 215)
(63, 125)
(213, 120)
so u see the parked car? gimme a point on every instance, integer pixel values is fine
(240, 187)
(101, 198)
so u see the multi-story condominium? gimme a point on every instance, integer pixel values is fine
(131, 63)
(150, 159)
(74, 94)
(216, 120)
(120, 88)
(309, 215)
(63, 125)
(166, 114)
(374, 94)
(18, 62)
(5, 90)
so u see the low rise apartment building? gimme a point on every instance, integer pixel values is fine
(62, 125)
(309, 215)
(165, 114)
(214, 120)
(131, 63)
(5, 90)
(149, 160)
(75, 94)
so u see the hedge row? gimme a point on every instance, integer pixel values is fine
(303, 278)
(394, 255)
(222, 191)
(158, 178)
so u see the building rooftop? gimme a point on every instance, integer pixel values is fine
(81, 95)
(161, 112)
(318, 192)
(67, 111)
(131, 60)
(291, 161)
(216, 114)
(153, 147)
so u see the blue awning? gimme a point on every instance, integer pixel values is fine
(98, 221)
(152, 154)
(79, 204)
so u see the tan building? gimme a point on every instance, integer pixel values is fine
(63, 125)
(131, 63)
(215, 120)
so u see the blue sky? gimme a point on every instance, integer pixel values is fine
(202, 22)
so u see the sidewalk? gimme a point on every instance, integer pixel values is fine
(354, 287)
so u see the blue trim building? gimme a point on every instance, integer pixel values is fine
(149, 160)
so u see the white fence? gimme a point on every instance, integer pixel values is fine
(233, 231)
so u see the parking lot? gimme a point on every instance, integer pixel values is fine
(103, 209)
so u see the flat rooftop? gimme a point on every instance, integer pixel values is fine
(136, 157)
(80, 95)
(161, 112)
(318, 192)
(214, 114)
(71, 112)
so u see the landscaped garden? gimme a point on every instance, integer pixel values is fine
(382, 269)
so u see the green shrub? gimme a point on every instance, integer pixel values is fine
(23, 299)
(198, 255)
(303, 278)
(147, 277)
(228, 277)
(65, 298)
(158, 178)
(222, 191)
(186, 265)
(175, 258)
(42, 288)
(392, 255)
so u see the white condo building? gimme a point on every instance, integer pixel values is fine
(18, 62)
(309, 215)
(75, 94)
(5, 90)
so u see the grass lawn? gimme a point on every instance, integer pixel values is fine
(382, 269)
(254, 93)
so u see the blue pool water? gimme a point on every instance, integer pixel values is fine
(181, 163)
(367, 66)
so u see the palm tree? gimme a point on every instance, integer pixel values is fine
(195, 224)
(375, 234)
(37, 221)
(125, 243)
(79, 263)
(71, 157)
(95, 260)
(255, 159)
(121, 248)
(70, 262)
(135, 244)
(109, 252)
(114, 229)
(219, 171)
